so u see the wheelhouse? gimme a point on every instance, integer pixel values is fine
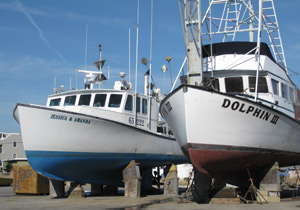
(110, 100)
(231, 68)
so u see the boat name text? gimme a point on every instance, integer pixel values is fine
(248, 109)
(76, 119)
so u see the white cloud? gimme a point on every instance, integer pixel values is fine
(27, 65)
(41, 34)
(11, 7)
(90, 18)
(293, 27)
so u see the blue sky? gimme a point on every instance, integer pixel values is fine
(40, 40)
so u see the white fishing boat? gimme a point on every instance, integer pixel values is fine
(237, 107)
(90, 135)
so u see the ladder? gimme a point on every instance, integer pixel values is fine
(230, 18)
(271, 23)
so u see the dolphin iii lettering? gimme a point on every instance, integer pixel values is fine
(250, 110)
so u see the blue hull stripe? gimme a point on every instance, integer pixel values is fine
(94, 168)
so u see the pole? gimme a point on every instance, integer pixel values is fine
(129, 57)
(149, 79)
(136, 58)
(258, 48)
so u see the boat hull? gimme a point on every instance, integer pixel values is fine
(70, 146)
(224, 135)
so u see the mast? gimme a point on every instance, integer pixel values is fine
(193, 40)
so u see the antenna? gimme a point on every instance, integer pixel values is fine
(137, 45)
(149, 79)
(54, 89)
(86, 35)
(70, 83)
(129, 57)
(76, 78)
(108, 68)
(136, 58)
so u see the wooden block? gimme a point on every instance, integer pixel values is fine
(270, 196)
(133, 188)
(77, 192)
(171, 187)
(132, 180)
(271, 181)
(27, 181)
(57, 188)
(224, 201)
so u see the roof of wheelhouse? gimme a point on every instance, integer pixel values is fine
(236, 48)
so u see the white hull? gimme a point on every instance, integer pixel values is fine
(207, 121)
(57, 136)
(225, 134)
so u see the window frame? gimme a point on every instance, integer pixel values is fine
(262, 88)
(55, 99)
(128, 101)
(226, 81)
(110, 102)
(101, 94)
(80, 102)
(138, 104)
(69, 102)
(275, 85)
(284, 91)
(292, 94)
(144, 106)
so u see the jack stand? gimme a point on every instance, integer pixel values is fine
(253, 190)
(190, 185)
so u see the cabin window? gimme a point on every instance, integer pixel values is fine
(262, 84)
(0, 149)
(14, 144)
(275, 85)
(99, 100)
(138, 104)
(284, 91)
(215, 84)
(14, 156)
(2, 136)
(115, 100)
(234, 85)
(55, 102)
(292, 95)
(128, 105)
(84, 100)
(144, 106)
(70, 101)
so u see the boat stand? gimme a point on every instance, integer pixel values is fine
(255, 194)
(171, 182)
(57, 188)
(132, 180)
